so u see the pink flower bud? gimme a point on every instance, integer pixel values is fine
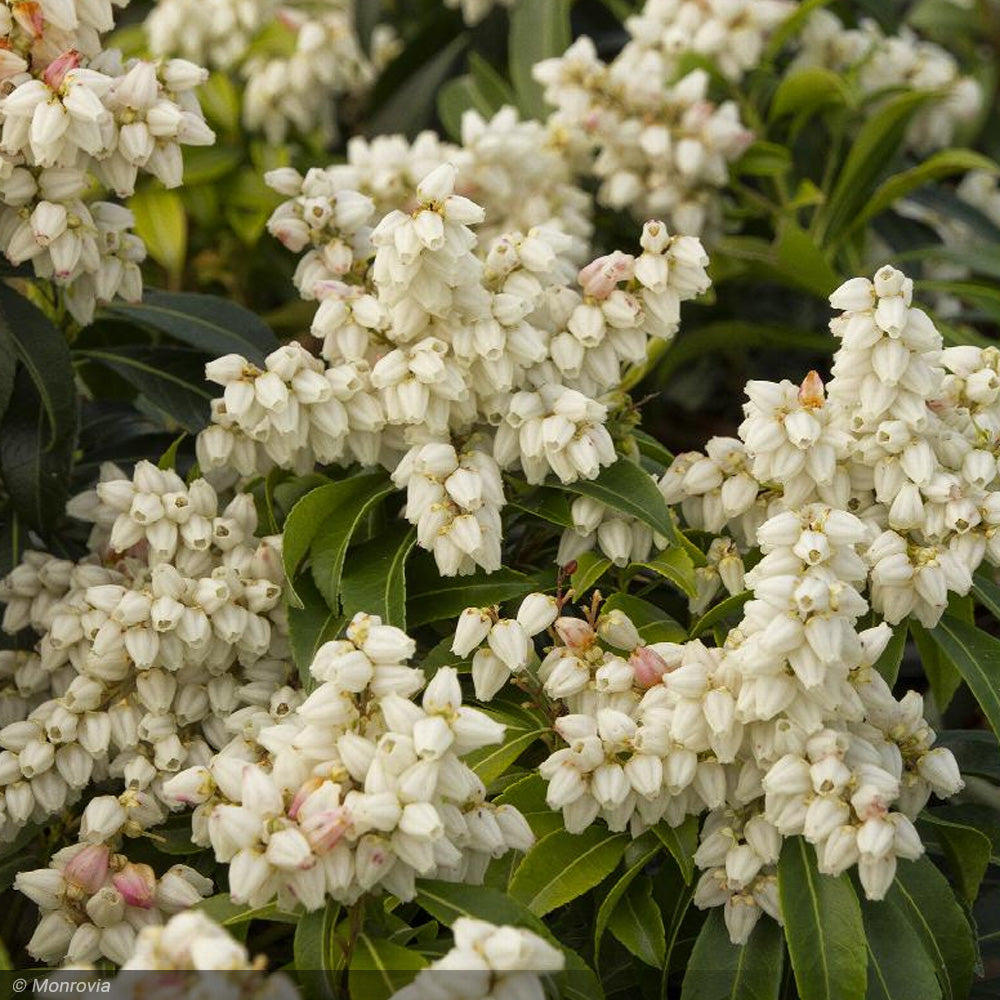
(89, 868)
(301, 795)
(648, 665)
(56, 71)
(600, 277)
(324, 830)
(137, 884)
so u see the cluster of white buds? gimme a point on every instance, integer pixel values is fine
(886, 63)
(293, 413)
(70, 112)
(442, 364)
(731, 33)
(152, 651)
(94, 902)
(295, 58)
(622, 539)
(513, 169)
(488, 962)
(193, 943)
(738, 855)
(358, 788)
(658, 146)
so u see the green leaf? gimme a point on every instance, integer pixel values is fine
(654, 624)
(205, 164)
(976, 751)
(220, 100)
(347, 505)
(942, 164)
(764, 159)
(171, 378)
(676, 566)
(966, 849)
(614, 895)
(682, 842)
(590, 567)
(162, 223)
(638, 924)
(380, 968)
(721, 970)
(976, 656)
(892, 656)
(434, 597)
(563, 866)
(310, 626)
(730, 336)
(317, 949)
(42, 350)
(875, 145)
(528, 796)
(323, 516)
(549, 504)
(35, 469)
(8, 365)
(374, 577)
(214, 325)
(626, 488)
(539, 29)
(492, 761)
(807, 90)
(448, 901)
(823, 927)
(411, 107)
(898, 966)
(987, 592)
(731, 607)
(941, 671)
(924, 896)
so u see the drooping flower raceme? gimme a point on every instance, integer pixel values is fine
(153, 651)
(359, 788)
(94, 902)
(70, 112)
(444, 365)
(877, 492)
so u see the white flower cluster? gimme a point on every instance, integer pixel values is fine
(356, 789)
(885, 63)
(658, 145)
(152, 652)
(94, 903)
(294, 58)
(511, 168)
(443, 366)
(473, 11)
(731, 33)
(881, 484)
(488, 962)
(69, 112)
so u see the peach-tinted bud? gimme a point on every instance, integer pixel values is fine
(30, 17)
(137, 884)
(648, 665)
(811, 392)
(575, 632)
(89, 868)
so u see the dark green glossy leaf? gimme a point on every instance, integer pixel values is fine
(823, 927)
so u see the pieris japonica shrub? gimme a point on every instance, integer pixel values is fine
(500, 499)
